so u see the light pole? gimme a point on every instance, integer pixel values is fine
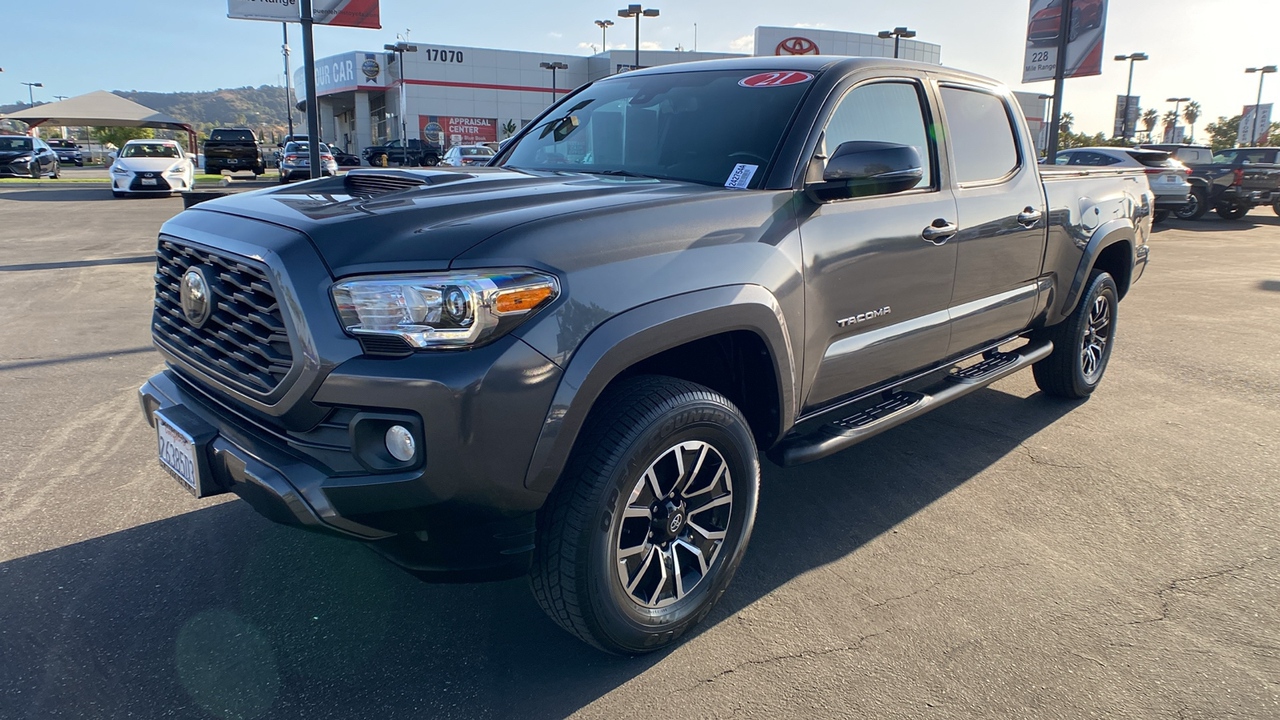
(400, 48)
(288, 91)
(31, 98)
(604, 26)
(1257, 107)
(1124, 123)
(636, 11)
(1177, 103)
(553, 67)
(897, 34)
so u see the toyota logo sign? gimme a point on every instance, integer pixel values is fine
(797, 46)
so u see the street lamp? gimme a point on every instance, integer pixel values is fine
(1257, 107)
(1135, 57)
(553, 67)
(897, 34)
(636, 11)
(400, 48)
(30, 93)
(1177, 103)
(604, 26)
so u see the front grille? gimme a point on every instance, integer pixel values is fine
(160, 182)
(244, 342)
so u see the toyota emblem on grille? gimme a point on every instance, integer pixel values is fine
(197, 296)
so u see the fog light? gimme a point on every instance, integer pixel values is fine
(400, 443)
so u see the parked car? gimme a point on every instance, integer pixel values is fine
(295, 162)
(1045, 24)
(25, 156)
(1168, 177)
(1234, 181)
(234, 149)
(346, 159)
(568, 365)
(460, 155)
(150, 167)
(68, 151)
(415, 153)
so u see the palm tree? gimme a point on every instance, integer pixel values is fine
(1065, 122)
(1169, 120)
(1149, 120)
(1191, 114)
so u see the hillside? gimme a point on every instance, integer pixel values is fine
(261, 108)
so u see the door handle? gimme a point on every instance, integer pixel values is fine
(939, 231)
(1029, 217)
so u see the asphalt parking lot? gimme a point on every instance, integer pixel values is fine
(1008, 555)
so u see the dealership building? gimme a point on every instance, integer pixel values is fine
(461, 95)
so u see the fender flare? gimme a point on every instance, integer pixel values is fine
(1109, 233)
(645, 331)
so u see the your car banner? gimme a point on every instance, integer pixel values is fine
(347, 13)
(1248, 134)
(1085, 32)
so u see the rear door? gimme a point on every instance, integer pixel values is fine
(1001, 206)
(876, 290)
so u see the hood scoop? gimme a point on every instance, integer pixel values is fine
(368, 183)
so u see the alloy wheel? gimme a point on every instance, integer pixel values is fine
(674, 524)
(1097, 334)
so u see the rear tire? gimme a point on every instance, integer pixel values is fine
(1082, 343)
(1275, 206)
(1232, 210)
(651, 518)
(1197, 205)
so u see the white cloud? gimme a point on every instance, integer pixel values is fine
(555, 35)
(648, 45)
(814, 26)
(744, 44)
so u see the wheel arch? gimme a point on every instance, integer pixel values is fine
(1111, 248)
(733, 339)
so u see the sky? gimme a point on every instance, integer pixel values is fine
(1198, 48)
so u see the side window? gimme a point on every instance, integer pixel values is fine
(882, 112)
(1065, 159)
(981, 132)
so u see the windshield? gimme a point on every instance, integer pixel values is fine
(476, 151)
(150, 150)
(301, 147)
(231, 136)
(62, 144)
(718, 128)
(15, 143)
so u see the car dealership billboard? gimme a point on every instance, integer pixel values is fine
(1249, 133)
(347, 13)
(1085, 32)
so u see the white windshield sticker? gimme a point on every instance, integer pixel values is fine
(741, 176)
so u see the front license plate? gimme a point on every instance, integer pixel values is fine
(148, 181)
(177, 454)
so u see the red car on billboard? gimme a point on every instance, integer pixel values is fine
(1085, 15)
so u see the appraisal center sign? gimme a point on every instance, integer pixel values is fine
(347, 13)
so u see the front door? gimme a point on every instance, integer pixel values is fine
(877, 291)
(1001, 205)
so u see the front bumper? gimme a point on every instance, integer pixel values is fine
(460, 513)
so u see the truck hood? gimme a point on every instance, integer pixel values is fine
(415, 220)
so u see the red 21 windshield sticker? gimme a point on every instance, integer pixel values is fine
(775, 79)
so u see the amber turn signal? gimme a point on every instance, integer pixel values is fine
(522, 300)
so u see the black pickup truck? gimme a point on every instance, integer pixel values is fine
(1233, 183)
(234, 149)
(568, 363)
(415, 154)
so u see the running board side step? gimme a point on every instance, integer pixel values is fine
(898, 407)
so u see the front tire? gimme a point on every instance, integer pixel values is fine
(651, 517)
(1197, 205)
(1232, 211)
(1082, 343)
(1160, 216)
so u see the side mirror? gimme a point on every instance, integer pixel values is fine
(859, 168)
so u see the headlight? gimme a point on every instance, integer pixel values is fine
(449, 310)
(177, 169)
(118, 168)
(23, 159)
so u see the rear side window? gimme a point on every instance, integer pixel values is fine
(231, 136)
(882, 112)
(1152, 159)
(981, 132)
(1092, 159)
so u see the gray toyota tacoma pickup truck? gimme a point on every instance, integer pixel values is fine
(568, 364)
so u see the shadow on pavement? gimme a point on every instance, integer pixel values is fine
(1272, 285)
(220, 613)
(1262, 216)
(78, 263)
(67, 194)
(18, 365)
